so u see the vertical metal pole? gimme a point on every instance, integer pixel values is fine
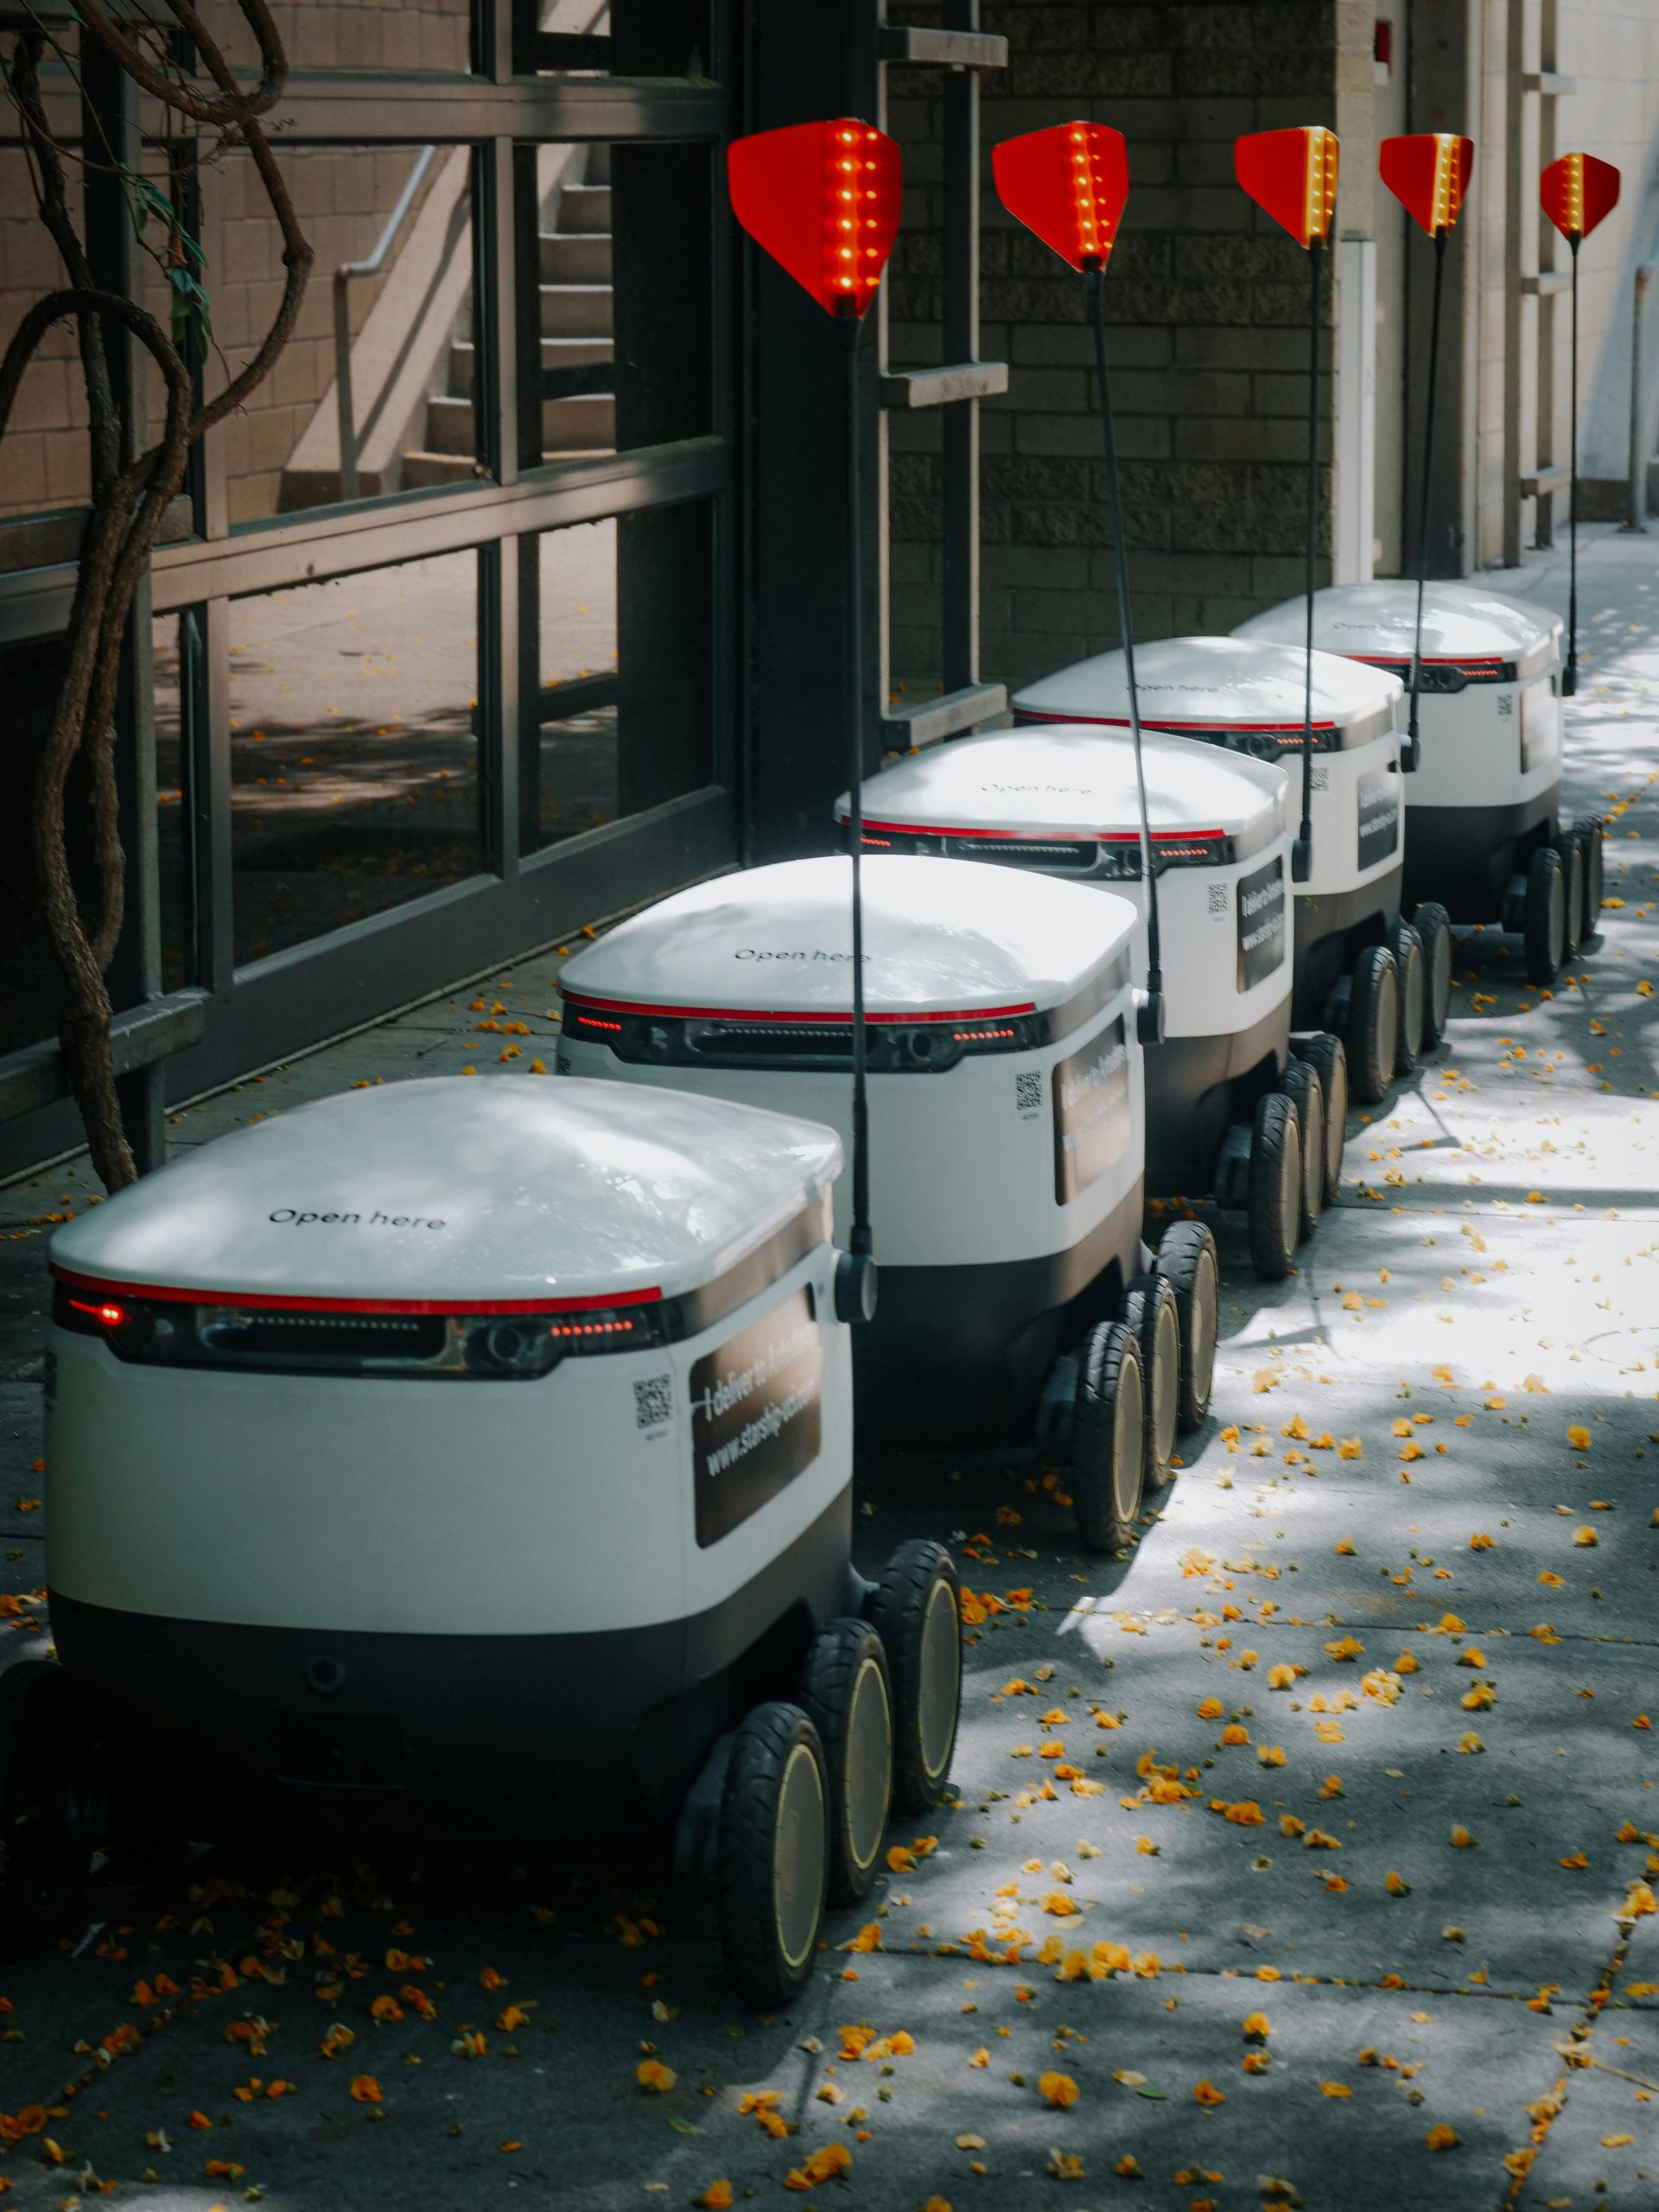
(110, 108)
(1636, 515)
(1422, 509)
(861, 1240)
(1093, 280)
(960, 518)
(1570, 673)
(1302, 858)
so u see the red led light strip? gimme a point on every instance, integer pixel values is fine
(1121, 721)
(166, 1293)
(753, 1019)
(1046, 837)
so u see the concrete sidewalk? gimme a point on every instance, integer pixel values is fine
(1391, 1631)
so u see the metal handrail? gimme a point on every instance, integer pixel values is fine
(343, 276)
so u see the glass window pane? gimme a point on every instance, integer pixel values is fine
(623, 38)
(354, 767)
(618, 701)
(173, 638)
(410, 360)
(323, 35)
(613, 308)
(46, 464)
(30, 990)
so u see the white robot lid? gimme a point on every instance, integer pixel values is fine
(942, 937)
(1077, 780)
(1467, 629)
(1204, 685)
(459, 1195)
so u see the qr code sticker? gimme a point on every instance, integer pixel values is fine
(1217, 897)
(1028, 1091)
(1505, 706)
(653, 1401)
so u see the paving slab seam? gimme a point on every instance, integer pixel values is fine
(1575, 2049)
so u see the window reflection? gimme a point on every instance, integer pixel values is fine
(616, 680)
(353, 748)
(173, 638)
(409, 354)
(613, 303)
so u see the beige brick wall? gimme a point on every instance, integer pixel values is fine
(43, 457)
(351, 34)
(342, 197)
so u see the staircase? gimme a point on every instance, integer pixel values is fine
(579, 403)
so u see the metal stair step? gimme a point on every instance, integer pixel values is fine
(421, 468)
(585, 423)
(571, 259)
(576, 310)
(584, 210)
(451, 426)
(556, 353)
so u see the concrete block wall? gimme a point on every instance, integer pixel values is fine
(342, 196)
(43, 461)
(1207, 310)
(351, 34)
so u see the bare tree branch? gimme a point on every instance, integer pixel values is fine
(125, 519)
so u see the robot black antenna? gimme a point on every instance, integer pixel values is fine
(861, 1243)
(1302, 858)
(1416, 685)
(1152, 1013)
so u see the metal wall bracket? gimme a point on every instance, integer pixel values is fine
(913, 729)
(951, 49)
(945, 387)
(1553, 478)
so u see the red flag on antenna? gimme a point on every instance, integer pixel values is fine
(1293, 175)
(1576, 192)
(1067, 183)
(1428, 174)
(823, 200)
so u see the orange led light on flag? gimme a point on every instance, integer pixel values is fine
(1428, 174)
(823, 200)
(1576, 192)
(1292, 175)
(1068, 184)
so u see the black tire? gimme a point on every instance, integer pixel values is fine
(915, 1609)
(1108, 1444)
(1326, 1056)
(1433, 925)
(1275, 1191)
(42, 1872)
(1544, 922)
(774, 1854)
(1593, 831)
(1373, 1024)
(1301, 1083)
(847, 1695)
(1575, 867)
(1151, 1310)
(1186, 1259)
(1412, 970)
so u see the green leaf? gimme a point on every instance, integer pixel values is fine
(1157, 2096)
(682, 2126)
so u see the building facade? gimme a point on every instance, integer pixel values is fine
(517, 595)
